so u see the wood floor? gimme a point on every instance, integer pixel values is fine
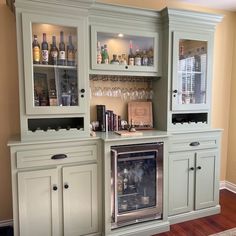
(211, 224)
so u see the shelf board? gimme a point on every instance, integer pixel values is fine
(55, 67)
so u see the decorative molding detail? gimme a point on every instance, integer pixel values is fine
(6, 223)
(228, 185)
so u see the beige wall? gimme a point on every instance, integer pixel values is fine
(9, 109)
(231, 162)
(9, 118)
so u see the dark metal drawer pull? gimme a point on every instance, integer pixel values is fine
(194, 144)
(59, 156)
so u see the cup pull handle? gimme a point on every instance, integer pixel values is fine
(59, 156)
(194, 144)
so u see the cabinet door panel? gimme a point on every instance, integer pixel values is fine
(181, 183)
(207, 191)
(80, 200)
(38, 203)
(56, 86)
(191, 71)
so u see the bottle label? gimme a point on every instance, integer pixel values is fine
(54, 53)
(71, 56)
(106, 61)
(137, 61)
(44, 55)
(99, 59)
(131, 61)
(36, 54)
(62, 55)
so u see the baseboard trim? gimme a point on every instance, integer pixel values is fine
(192, 215)
(228, 185)
(6, 223)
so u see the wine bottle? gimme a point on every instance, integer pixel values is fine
(44, 52)
(36, 50)
(70, 53)
(99, 54)
(53, 52)
(62, 50)
(105, 56)
(131, 55)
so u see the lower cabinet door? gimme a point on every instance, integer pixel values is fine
(38, 203)
(80, 207)
(181, 182)
(207, 179)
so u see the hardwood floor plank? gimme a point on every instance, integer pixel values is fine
(210, 224)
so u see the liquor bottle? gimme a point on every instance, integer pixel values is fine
(99, 53)
(115, 60)
(53, 52)
(137, 59)
(119, 184)
(105, 56)
(150, 57)
(70, 52)
(44, 51)
(144, 58)
(62, 50)
(131, 55)
(36, 50)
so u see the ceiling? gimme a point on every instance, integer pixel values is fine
(229, 5)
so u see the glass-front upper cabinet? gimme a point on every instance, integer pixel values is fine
(124, 50)
(53, 62)
(191, 72)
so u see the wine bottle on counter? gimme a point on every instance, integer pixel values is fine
(44, 52)
(53, 52)
(70, 52)
(105, 56)
(62, 50)
(36, 50)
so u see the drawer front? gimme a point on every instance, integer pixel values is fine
(56, 156)
(193, 142)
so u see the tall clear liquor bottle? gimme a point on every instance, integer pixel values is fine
(62, 50)
(70, 53)
(53, 52)
(36, 50)
(131, 55)
(44, 52)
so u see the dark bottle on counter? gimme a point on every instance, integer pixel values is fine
(62, 50)
(131, 55)
(44, 52)
(70, 53)
(36, 50)
(53, 52)
(137, 59)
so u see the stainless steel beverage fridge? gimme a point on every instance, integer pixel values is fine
(136, 183)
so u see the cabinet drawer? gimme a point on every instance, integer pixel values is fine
(55, 156)
(192, 143)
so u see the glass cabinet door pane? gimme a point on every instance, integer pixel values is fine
(54, 61)
(191, 77)
(123, 49)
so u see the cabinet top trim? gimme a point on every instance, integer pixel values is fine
(187, 16)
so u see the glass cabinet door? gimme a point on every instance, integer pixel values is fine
(190, 83)
(54, 72)
(123, 50)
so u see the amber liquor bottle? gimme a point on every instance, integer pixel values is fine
(53, 52)
(36, 50)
